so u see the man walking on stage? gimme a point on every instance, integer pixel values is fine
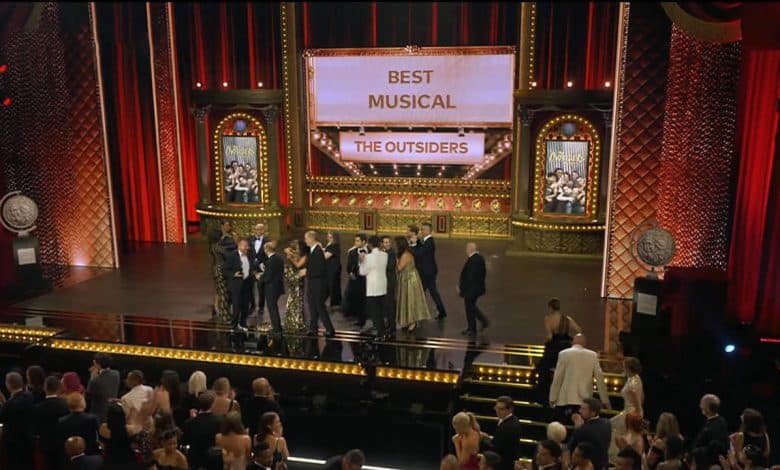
(471, 287)
(258, 256)
(392, 282)
(425, 258)
(272, 284)
(374, 267)
(355, 294)
(318, 287)
(237, 272)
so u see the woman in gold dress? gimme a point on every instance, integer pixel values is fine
(293, 318)
(633, 396)
(411, 306)
(222, 242)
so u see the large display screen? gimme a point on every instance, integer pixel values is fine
(239, 153)
(566, 180)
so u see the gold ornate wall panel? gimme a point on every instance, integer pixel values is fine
(397, 222)
(562, 241)
(334, 220)
(640, 122)
(51, 137)
(480, 226)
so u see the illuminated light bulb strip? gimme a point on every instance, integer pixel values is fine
(566, 228)
(326, 145)
(531, 47)
(500, 148)
(408, 181)
(287, 110)
(210, 356)
(31, 331)
(417, 375)
(239, 215)
(263, 144)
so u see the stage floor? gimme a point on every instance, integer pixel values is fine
(173, 282)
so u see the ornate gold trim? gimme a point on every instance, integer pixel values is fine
(397, 182)
(286, 65)
(408, 193)
(417, 375)
(262, 144)
(410, 50)
(592, 196)
(565, 228)
(239, 215)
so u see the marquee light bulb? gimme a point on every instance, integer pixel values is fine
(533, 84)
(569, 84)
(224, 84)
(259, 84)
(607, 84)
(198, 85)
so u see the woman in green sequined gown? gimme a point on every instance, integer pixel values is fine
(411, 306)
(222, 243)
(293, 318)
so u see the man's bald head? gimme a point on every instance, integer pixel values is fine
(579, 338)
(261, 387)
(260, 230)
(74, 446)
(471, 248)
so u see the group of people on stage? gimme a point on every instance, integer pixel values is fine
(387, 281)
(241, 183)
(565, 192)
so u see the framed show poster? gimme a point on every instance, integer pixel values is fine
(239, 153)
(566, 176)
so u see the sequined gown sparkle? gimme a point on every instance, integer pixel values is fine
(411, 306)
(293, 318)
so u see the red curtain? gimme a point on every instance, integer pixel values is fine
(130, 119)
(577, 42)
(755, 244)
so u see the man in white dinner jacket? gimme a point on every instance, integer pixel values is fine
(573, 380)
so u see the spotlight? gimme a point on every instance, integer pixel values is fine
(224, 84)
(533, 84)
(730, 348)
(418, 173)
(607, 84)
(461, 132)
(198, 85)
(376, 172)
(362, 130)
(259, 84)
(569, 84)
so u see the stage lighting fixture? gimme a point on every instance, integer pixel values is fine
(259, 84)
(730, 348)
(224, 84)
(461, 132)
(570, 84)
(362, 130)
(533, 84)
(607, 84)
(376, 172)
(198, 85)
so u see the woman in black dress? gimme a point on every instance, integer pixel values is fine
(559, 332)
(333, 269)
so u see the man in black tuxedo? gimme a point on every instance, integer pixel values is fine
(45, 417)
(317, 281)
(591, 428)
(103, 385)
(77, 459)
(355, 294)
(78, 423)
(238, 275)
(506, 440)
(257, 256)
(262, 401)
(471, 287)
(425, 259)
(715, 428)
(17, 430)
(548, 455)
(272, 284)
(199, 432)
(392, 282)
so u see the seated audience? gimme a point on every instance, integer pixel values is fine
(581, 458)
(352, 460)
(235, 442)
(103, 385)
(117, 439)
(270, 431)
(35, 380)
(77, 459)
(200, 431)
(224, 402)
(168, 457)
(666, 426)
(14, 415)
(752, 432)
(489, 461)
(590, 427)
(261, 402)
(715, 428)
(628, 459)
(45, 417)
(548, 455)
(138, 393)
(673, 455)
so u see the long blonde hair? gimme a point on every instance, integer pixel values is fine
(464, 420)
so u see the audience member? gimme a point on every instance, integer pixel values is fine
(557, 432)
(634, 435)
(573, 378)
(597, 431)
(262, 401)
(548, 455)
(71, 383)
(666, 426)
(138, 393)
(449, 462)
(195, 386)
(752, 432)
(582, 457)
(45, 417)
(352, 460)
(215, 459)
(35, 381)
(633, 397)
(628, 459)
(466, 440)
(117, 440)
(223, 401)
(235, 442)
(78, 423)
(271, 431)
(750, 457)
(201, 430)
(489, 461)
(715, 427)
(77, 459)
(506, 440)
(163, 424)
(257, 456)
(168, 396)
(168, 457)
(14, 415)
(559, 331)
(672, 455)
(103, 385)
